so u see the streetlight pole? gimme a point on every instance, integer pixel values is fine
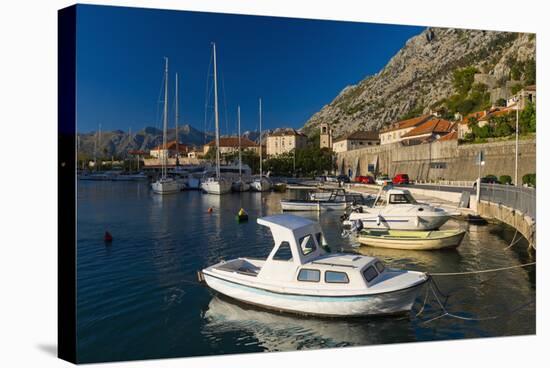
(517, 142)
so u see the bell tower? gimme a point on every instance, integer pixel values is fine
(325, 136)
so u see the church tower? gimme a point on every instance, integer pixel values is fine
(325, 136)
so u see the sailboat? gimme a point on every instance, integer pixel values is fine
(240, 185)
(165, 184)
(217, 184)
(261, 183)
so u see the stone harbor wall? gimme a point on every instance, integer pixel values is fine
(445, 160)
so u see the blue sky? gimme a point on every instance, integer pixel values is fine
(295, 65)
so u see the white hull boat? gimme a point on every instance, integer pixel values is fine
(214, 186)
(300, 277)
(337, 200)
(399, 211)
(166, 186)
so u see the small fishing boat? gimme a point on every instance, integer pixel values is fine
(411, 240)
(397, 210)
(299, 276)
(339, 199)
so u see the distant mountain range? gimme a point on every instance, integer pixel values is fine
(118, 143)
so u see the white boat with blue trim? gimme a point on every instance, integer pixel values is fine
(300, 276)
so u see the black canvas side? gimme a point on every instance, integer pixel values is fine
(66, 193)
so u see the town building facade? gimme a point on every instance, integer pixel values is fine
(325, 136)
(395, 131)
(356, 140)
(231, 145)
(284, 141)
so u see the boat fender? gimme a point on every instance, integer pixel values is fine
(107, 237)
(378, 220)
(417, 221)
(210, 210)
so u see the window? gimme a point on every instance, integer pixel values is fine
(309, 275)
(307, 244)
(370, 273)
(283, 253)
(379, 266)
(402, 198)
(336, 277)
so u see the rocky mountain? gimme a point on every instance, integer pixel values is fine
(118, 143)
(420, 77)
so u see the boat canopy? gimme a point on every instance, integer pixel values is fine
(303, 237)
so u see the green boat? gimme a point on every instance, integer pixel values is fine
(411, 240)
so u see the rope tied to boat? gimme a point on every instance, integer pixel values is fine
(481, 271)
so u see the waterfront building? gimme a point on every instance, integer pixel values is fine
(285, 140)
(355, 140)
(426, 132)
(231, 145)
(160, 153)
(325, 136)
(481, 118)
(395, 131)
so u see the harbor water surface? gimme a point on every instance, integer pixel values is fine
(138, 297)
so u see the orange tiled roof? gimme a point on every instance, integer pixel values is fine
(431, 126)
(406, 123)
(449, 137)
(233, 142)
(172, 146)
(360, 135)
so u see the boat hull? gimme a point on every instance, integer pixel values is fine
(373, 221)
(400, 301)
(240, 186)
(260, 186)
(216, 187)
(313, 206)
(167, 187)
(445, 242)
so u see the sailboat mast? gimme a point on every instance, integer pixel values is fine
(261, 138)
(239, 131)
(216, 114)
(177, 118)
(165, 122)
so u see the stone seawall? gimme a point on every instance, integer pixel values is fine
(441, 160)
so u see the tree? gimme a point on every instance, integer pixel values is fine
(528, 119)
(463, 79)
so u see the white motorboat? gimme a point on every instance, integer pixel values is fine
(397, 210)
(165, 184)
(338, 199)
(299, 276)
(218, 184)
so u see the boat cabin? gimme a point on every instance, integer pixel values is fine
(395, 196)
(299, 257)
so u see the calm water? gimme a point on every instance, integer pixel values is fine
(138, 298)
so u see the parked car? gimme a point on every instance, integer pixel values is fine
(364, 179)
(489, 179)
(331, 179)
(343, 178)
(381, 180)
(401, 179)
(321, 178)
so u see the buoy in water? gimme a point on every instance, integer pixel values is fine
(210, 210)
(242, 215)
(107, 237)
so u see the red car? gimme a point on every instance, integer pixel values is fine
(364, 179)
(401, 179)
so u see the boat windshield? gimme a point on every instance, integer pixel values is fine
(401, 198)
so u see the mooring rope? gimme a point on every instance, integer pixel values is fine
(514, 241)
(481, 271)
